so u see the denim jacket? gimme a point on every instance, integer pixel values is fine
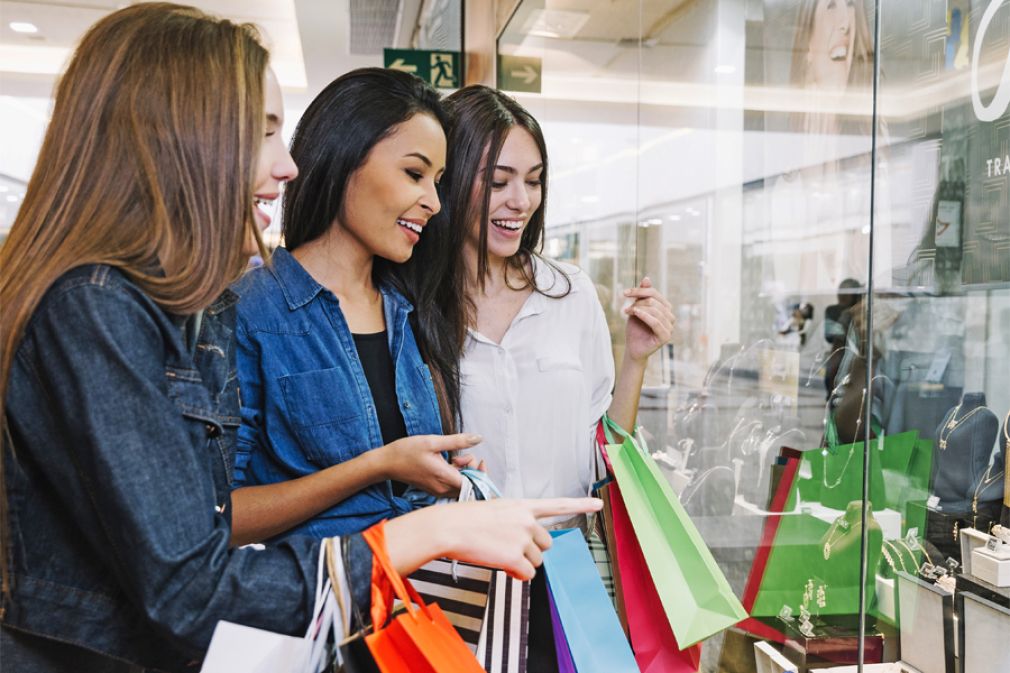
(118, 482)
(306, 404)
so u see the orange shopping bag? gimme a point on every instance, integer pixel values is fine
(420, 640)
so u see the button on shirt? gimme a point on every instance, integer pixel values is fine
(536, 397)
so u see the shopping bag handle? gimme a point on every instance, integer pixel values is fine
(481, 482)
(385, 577)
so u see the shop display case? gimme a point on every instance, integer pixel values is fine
(822, 190)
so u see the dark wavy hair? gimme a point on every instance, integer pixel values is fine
(332, 141)
(480, 119)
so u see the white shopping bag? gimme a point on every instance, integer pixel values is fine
(235, 647)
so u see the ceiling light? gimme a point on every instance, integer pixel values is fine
(725, 69)
(23, 27)
(12, 198)
(674, 218)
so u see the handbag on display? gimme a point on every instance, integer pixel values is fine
(419, 640)
(592, 633)
(697, 599)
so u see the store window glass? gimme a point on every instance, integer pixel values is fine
(838, 255)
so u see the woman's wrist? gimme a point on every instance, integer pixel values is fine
(416, 538)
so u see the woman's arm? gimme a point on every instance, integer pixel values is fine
(496, 533)
(650, 325)
(261, 512)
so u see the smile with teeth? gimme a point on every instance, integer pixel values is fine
(839, 53)
(413, 226)
(511, 225)
(264, 204)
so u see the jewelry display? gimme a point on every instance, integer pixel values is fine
(822, 601)
(807, 629)
(839, 528)
(852, 451)
(947, 583)
(808, 595)
(1001, 532)
(913, 543)
(786, 614)
(954, 422)
(911, 552)
(890, 546)
(888, 557)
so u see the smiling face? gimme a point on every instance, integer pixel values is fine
(516, 194)
(831, 43)
(391, 197)
(275, 165)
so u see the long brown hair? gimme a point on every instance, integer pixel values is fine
(147, 165)
(480, 119)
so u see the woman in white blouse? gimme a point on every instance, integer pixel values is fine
(536, 366)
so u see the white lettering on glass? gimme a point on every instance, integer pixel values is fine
(997, 166)
(1001, 100)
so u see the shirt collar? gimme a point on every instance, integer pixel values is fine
(298, 286)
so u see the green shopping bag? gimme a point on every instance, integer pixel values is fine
(694, 592)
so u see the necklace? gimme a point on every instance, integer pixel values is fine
(954, 422)
(897, 552)
(887, 556)
(915, 544)
(852, 450)
(840, 524)
(1006, 430)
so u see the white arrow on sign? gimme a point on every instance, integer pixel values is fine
(399, 64)
(528, 75)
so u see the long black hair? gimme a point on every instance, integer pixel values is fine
(480, 119)
(332, 141)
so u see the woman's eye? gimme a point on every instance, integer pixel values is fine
(534, 183)
(497, 185)
(271, 134)
(414, 175)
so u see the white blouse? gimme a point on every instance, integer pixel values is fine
(536, 397)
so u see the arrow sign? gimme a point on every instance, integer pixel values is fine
(399, 64)
(528, 75)
(519, 73)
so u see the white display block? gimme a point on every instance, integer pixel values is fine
(991, 567)
(984, 626)
(885, 598)
(971, 540)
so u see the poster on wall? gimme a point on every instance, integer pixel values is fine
(949, 112)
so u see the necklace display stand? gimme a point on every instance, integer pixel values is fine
(1005, 440)
(962, 455)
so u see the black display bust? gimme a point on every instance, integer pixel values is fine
(962, 471)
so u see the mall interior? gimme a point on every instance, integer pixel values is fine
(821, 188)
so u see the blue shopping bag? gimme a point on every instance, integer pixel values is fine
(592, 629)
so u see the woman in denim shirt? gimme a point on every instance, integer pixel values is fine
(341, 411)
(117, 361)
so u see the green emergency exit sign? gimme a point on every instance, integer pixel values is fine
(438, 68)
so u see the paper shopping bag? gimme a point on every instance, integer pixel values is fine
(656, 647)
(696, 597)
(591, 628)
(420, 640)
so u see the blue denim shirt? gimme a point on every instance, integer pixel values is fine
(306, 404)
(118, 482)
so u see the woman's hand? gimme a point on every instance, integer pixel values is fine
(650, 322)
(418, 461)
(497, 533)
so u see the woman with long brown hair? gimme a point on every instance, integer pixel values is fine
(117, 379)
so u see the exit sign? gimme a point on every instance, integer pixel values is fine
(438, 68)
